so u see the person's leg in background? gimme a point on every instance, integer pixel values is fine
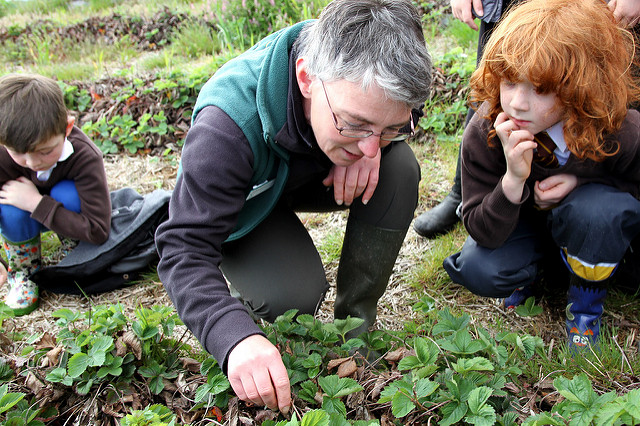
(374, 233)
(443, 217)
(500, 271)
(276, 267)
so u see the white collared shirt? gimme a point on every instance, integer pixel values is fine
(67, 150)
(556, 133)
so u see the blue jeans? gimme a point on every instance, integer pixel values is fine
(16, 225)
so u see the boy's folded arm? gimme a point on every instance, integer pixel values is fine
(490, 219)
(84, 226)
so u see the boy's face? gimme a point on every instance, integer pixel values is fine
(45, 155)
(527, 108)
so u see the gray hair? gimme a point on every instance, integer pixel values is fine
(372, 42)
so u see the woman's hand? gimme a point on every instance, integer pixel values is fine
(360, 178)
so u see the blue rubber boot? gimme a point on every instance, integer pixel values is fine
(518, 297)
(584, 309)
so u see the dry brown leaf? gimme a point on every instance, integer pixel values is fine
(396, 355)
(190, 364)
(109, 410)
(337, 362)
(133, 343)
(121, 347)
(46, 341)
(53, 356)
(34, 384)
(347, 368)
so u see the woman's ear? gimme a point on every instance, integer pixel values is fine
(303, 77)
(70, 122)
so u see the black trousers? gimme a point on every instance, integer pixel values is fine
(276, 267)
(591, 229)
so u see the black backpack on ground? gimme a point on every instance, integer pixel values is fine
(129, 251)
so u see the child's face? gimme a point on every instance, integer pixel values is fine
(43, 157)
(527, 108)
(46, 154)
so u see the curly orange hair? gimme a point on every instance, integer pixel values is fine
(574, 49)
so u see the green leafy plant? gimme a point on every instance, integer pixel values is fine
(529, 308)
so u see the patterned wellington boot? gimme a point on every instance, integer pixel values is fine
(23, 259)
(584, 309)
(518, 297)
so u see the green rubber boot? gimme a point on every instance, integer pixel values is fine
(368, 256)
(23, 260)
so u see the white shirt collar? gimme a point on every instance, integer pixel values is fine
(67, 150)
(556, 132)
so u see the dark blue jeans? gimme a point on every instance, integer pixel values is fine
(591, 228)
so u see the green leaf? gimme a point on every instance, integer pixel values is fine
(409, 363)
(57, 375)
(453, 412)
(421, 373)
(577, 390)
(483, 414)
(528, 344)
(343, 326)
(10, 399)
(425, 305)
(84, 386)
(448, 323)
(334, 405)
(315, 418)
(156, 385)
(203, 391)
(478, 397)
(464, 365)
(207, 365)
(144, 332)
(98, 351)
(219, 383)
(425, 387)
(313, 360)
(426, 351)
(336, 387)
(632, 403)
(308, 391)
(402, 404)
(462, 343)
(78, 364)
(402, 385)
(544, 419)
(529, 308)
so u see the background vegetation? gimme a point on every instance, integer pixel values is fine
(130, 72)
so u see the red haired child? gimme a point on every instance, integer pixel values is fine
(552, 70)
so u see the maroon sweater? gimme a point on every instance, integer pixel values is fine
(86, 168)
(490, 217)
